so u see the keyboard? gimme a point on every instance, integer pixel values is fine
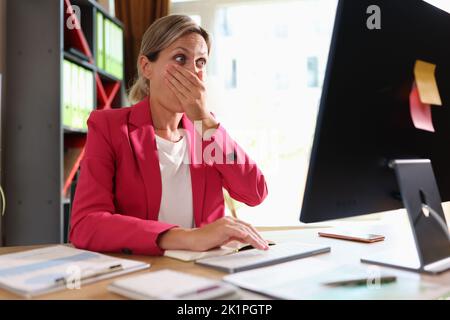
(253, 258)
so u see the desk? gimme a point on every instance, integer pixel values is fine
(395, 228)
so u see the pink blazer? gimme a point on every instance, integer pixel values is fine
(118, 193)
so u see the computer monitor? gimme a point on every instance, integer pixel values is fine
(364, 118)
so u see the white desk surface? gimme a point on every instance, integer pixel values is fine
(394, 226)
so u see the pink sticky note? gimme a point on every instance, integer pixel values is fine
(420, 112)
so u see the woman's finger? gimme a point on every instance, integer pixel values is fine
(248, 226)
(255, 236)
(251, 227)
(176, 92)
(182, 79)
(242, 234)
(190, 76)
(178, 85)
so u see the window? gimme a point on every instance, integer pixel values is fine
(264, 83)
(441, 4)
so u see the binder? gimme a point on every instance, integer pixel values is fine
(100, 41)
(121, 54)
(78, 95)
(54, 268)
(67, 94)
(107, 46)
(68, 110)
(115, 43)
(75, 95)
(111, 65)
(113, 49)
(89, 83)
(84, 93)
(90, 90)
(76, 120)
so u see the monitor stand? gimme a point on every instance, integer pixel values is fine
(420, 196)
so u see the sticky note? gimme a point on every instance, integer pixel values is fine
(424, 74)
(420, 112)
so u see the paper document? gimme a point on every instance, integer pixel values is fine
(420, 112)
(424, 74)
(309, 279)
(173, 285)
(54, 268)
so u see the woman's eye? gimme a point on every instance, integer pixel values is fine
(180, 59)
(201, 63)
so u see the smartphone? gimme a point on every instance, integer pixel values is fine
(352, 236)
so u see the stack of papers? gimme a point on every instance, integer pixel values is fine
(54, 268)
(172, 285)
(308, 278)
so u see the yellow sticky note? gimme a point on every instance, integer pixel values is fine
(424, 73)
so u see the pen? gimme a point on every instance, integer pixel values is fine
(197, 291)
(110, 269)
(361, 281)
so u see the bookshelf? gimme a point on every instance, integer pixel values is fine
(59, 70)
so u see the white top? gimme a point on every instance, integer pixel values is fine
(176, 201)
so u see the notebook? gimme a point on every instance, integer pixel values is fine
(187, 255)
(251, 259)
(172, 285)
(34, 272)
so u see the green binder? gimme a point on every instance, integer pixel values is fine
(74, 94)
(89, 94)
(77, 101)
(67, 94)
(107, 46)
(100, 41)
(121, 55)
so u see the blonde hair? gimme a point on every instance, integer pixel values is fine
(160, 35)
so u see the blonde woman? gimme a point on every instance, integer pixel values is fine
(152, 175)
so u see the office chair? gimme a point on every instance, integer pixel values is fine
(230, 203)
(73, 187)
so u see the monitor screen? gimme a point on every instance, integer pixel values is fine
(365, 119)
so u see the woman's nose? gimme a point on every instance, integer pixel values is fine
(192, 67)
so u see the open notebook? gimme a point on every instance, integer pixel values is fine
(34, 272)
(231, 247)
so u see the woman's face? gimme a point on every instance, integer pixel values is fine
(190, 52)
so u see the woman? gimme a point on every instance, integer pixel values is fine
(152, 175)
